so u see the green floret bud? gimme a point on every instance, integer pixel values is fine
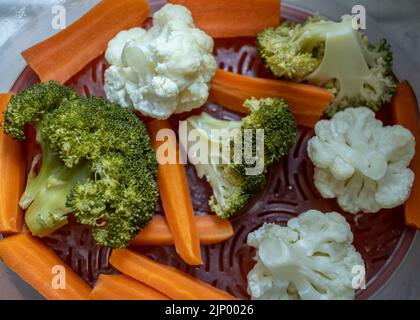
(334, 56)
(275, 118)
(281, 60)
(83, 128)
(29, 106)
(115, 203)
(232, 190)
(283, 57)
(233, 187)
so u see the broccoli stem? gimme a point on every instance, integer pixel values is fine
(46, 194)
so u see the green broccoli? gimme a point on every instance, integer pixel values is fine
(32, 104)
(232, 185)
(30, 107)
(97, 162)
(332, 55)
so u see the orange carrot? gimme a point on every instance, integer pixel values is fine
(307, 102)
(42, 268)
(176, 199)
(233, 18)
(405, 113)
(170, 281)
(121, 287)
(12, 173)
(210, 230)
(66, 53)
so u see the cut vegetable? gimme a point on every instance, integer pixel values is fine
(42, 268)
(121, 287)
(405, 113)
(306, 102)
(176, 199)
(170, 281)
(141, 59)
(233, 18)
(210, 230)
(13, 175)
(66, 53)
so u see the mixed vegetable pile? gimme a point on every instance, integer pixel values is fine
(100, 160)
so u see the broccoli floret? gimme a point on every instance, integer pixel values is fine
(274, 117)
(46, 192)
(232, 185)
(121, 197)
(31, 104)
(97, 162)
(332, 55)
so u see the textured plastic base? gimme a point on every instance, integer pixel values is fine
(382, 238)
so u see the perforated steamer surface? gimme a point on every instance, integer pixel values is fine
(382, 239)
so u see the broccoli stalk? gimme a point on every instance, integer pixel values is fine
(232, 186)
(332, 55)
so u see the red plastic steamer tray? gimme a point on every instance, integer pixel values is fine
(382, 238)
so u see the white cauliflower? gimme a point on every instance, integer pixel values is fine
(310, 259)
(362, 163)
(165, 70)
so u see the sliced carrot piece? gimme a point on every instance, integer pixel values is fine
(121, 287)
(233, 18)
(41, 267)
(210, 230)
(170, 281)
(307, 102)
(176, 199)
(66, 53)
(13, 175)
(405, 112)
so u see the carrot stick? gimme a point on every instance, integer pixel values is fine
(66, 53)
(176, 199)
(170, 281)
(12, 173)
(210, 230)
(42, 268)
(405, 113)
(121, 287)
(233, 18)
(307, 102)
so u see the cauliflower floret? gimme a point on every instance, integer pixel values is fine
(165, 70)
(312, 258)
(361, 163)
